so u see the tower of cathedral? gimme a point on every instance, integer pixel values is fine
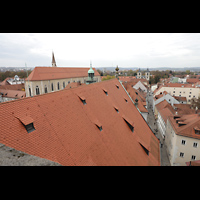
(147, 74)
(53, 60)
(139, 74)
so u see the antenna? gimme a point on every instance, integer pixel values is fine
(27, 76)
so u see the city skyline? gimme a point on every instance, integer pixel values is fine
(136, 50)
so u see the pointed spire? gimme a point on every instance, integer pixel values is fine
(53, 60)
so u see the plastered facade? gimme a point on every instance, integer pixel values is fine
(175, 146)
(48, 84)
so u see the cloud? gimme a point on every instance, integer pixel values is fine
(104, 49)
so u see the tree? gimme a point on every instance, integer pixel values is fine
(100, 72)
(108, 77)
(157, 78)
(195, 103)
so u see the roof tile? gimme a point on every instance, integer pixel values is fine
(66, 132)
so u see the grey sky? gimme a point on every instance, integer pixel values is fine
(104, 49)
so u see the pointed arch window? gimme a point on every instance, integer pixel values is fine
(58, 86)
(29, 88)
(37, 90)
(52, 87)
(45, 89)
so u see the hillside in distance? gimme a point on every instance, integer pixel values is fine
(195, 69)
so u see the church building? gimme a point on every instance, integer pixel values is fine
(49, 79)
(146, 76)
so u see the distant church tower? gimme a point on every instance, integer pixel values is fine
(147, 74)
(139, 74)
(53, 60)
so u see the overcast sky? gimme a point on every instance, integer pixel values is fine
(103, 49)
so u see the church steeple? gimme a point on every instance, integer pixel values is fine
(53, 60)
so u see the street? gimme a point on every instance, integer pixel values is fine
(153, 124)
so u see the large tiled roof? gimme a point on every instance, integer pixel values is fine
(49, 73)
(190, 123)
(70, 132)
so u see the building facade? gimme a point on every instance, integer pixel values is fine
(181, 90)
(146, 74)
(183, 141)
(49, 79)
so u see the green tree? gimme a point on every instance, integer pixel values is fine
(108, 77)
(157, 78)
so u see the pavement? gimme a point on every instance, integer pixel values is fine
(153, 124)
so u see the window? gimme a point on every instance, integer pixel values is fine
(129, 125)
(180, 92)
(30, 128)
(45, 89)
(63, 84)
(181, 154)
(29, 91)
(68, 82)
(105, 91)
(146, 150)
(173, 91)
(99, 127)
(82, 98)
(190, 92)
(52, 87)
(37, 90)
(58, 86)
(126, 100)
(195, 144)
(193, 157)
(117, 110)
(27, 122)
(193, 96)
(189, 95)
(117, 86)
(183, 142)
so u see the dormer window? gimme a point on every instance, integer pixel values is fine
(126, 100)
(105, 91)
(197, 130)
(27, 122)
(117, 110)
(82, 98)
(129, 123)
(98, 125)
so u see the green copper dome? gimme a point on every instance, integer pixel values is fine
(90, 71)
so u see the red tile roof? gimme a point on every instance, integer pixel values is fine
(191, 121)
(19, 87)
(49, 73)
(4, 82)
(192, 80)
(67, 131)
(16, 94)
(141, 100)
